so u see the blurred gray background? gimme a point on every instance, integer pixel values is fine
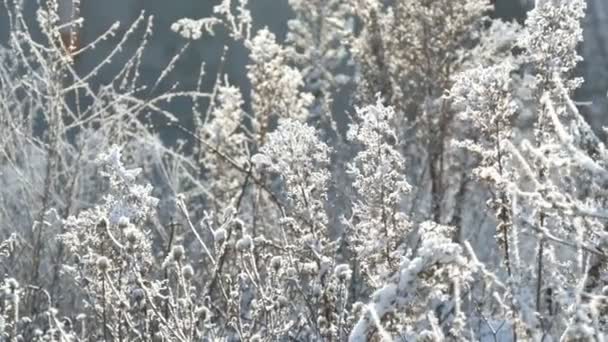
(101, 14)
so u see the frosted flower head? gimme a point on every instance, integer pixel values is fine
(103, 263)
(137, 295)
(188, 272)
(436, 239)
(264, 47)
(128, 201)
(296, 153)
(123, 222)
(177, 252)
(226, 116)
(11, 289)
(194, 29)
(135, 203)
(12, 284)
(112, 160)
(553, 34)
(342, 272)
(132, 235)
(378, 168)
(292, 146)
(374, 124)
(244, 244)
(483, 94)
(277, 87)
(237, 17)
(219, 235)
(310, 268)
(275, 262)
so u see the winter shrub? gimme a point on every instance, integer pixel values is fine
(465, 200)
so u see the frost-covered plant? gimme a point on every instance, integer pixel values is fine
(426, 276)
(223, 131)
(129, 292)
(485, 94)
(553, 32)
(112, 251)
(127, 202)
(243, 234)
(547, 182)
(277, 88)
(316, 39)
(235, 18)
(295, 152)
(409, 52)
(55, 124)
(378, 173)
(412, 48)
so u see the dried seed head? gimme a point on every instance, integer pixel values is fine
(103, 263)
(188, 272)
(219, 235)
(158, 337)
(238, 224)
(245, 243)
(203, 313)
(131, 235)
(342, 272)
(177, 253)
(291, 272)
(123, 222)
(282, 301)
(310, 268)
(12, 284)
(275, 263)
(137, 295)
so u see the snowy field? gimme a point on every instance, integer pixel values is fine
(360, 171)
